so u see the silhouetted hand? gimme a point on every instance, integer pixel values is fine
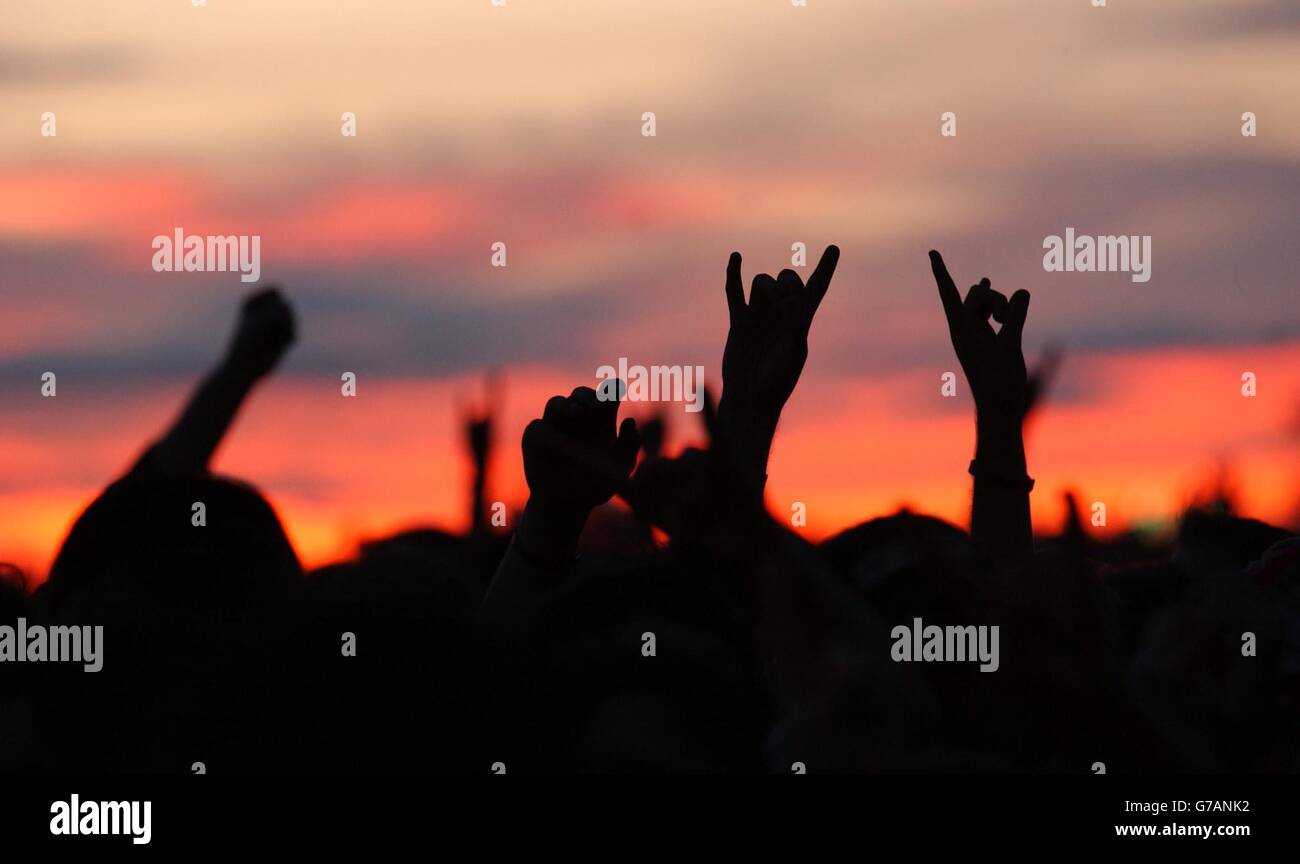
(995, 369)
(652, 436)
(767, 346)
(264, 332)
(992, 361)
(574, 461)
(569, 430)
(478, 423)
(706, 496)
(478, 432)
(684, 495)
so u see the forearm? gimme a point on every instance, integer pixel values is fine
(1000, 520)
(187, 447)
(539, 564)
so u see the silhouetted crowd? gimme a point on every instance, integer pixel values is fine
(680, 627)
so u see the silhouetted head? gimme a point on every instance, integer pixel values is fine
(195, 540)
(1212, 542)
(904, 563)
(198, 593)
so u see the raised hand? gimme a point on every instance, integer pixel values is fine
(575, 458)
(478, 434)
(264, 332)
(652, 435)
(992, 361)
(767, 346)
(554, 445)
(702, 496)
(995, 369)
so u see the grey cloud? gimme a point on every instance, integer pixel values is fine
(27, 67)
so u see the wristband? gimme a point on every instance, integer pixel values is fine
(1016, 484)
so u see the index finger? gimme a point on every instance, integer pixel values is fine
(948, 292)
(735, 289)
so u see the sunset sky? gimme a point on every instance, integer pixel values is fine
(522, 124)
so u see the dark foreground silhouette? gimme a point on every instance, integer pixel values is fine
(580, 642)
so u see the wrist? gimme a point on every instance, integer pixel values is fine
(1008, 478)
(752, 432)
(549, 530)
(745, 414)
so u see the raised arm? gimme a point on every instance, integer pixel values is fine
(264, 332)
(994, 365)
(575, 456)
